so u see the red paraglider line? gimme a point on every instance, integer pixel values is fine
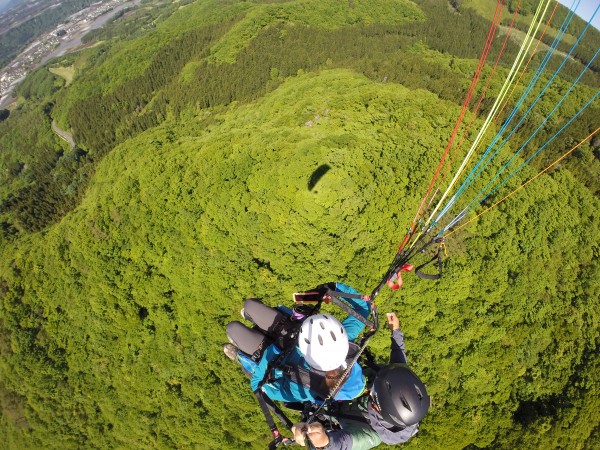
(481, 97)
(474, 81)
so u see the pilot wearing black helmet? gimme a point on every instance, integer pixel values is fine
(389, 413)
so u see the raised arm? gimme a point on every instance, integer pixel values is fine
(397, 353)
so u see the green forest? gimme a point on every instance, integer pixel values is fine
(199, 126)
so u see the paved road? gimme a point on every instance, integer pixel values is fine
(63, 134)
(71, 44)
(75, 40)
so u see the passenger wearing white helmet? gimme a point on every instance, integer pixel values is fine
(309, 370)
(323, 342)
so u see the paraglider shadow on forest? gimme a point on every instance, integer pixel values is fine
(530, 411)
(317, 175)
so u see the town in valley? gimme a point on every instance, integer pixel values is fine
(44, 45)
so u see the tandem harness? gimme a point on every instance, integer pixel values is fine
(314, 381)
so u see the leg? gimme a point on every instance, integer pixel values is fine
(265, 317)
(248, 340)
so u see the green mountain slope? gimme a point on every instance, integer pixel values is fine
(122, 261)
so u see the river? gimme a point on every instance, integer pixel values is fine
(76, 39)
(72, 43)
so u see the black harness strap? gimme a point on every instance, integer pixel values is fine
(335, 298)
(259, 351)
(278, 412)
(315, 381)
(265, 410)
(426, 276)
(338, 415)
(266, 406)
(344, 294)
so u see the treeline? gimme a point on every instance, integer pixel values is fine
(583, 53)
(41, 181)
(275, 54)
(15, 40)
(284, 51)
(464, 34)
(179, 77)
(101, 121)
(139, 21)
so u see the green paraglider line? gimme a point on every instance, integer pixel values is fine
(524, 184)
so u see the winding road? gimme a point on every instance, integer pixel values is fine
(63, 135)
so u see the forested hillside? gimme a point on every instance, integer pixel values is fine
(198, 128)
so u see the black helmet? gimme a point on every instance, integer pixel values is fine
(400, 395)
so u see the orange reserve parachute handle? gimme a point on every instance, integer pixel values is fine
(395, 281)
(400, 264)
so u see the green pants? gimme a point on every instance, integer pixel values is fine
(363, 436)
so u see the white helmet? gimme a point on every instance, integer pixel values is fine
(323, 342)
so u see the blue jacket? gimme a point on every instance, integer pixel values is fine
(284, 389)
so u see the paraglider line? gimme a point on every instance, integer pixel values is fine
(525, 184)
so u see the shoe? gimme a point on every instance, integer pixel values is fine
(231, 351)
(244, 315)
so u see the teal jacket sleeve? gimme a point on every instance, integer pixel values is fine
(270, 353)
(352, 325)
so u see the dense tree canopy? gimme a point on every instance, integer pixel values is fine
(199, 128)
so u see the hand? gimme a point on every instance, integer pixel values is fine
(393, 321)
(297, 431)
(315, 432)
